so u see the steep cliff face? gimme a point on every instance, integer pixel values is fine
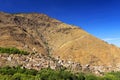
(45, 35)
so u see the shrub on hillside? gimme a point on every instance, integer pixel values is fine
(12, 51)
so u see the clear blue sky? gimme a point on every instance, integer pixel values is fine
(100, 18)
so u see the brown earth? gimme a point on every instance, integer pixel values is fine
(45, 35)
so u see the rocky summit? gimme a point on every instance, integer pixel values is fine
(55, 44)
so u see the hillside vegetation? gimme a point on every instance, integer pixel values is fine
(13, 51)
(17, 73)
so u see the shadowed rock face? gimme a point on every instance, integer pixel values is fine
(45, 35)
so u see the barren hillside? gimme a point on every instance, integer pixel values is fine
(45, 35)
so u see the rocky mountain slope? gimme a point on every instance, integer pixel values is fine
(39, 33)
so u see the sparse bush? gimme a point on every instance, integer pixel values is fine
(13, 51)
(16, 76)
(81, 76)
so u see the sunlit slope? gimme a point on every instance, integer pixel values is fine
(45, 35)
